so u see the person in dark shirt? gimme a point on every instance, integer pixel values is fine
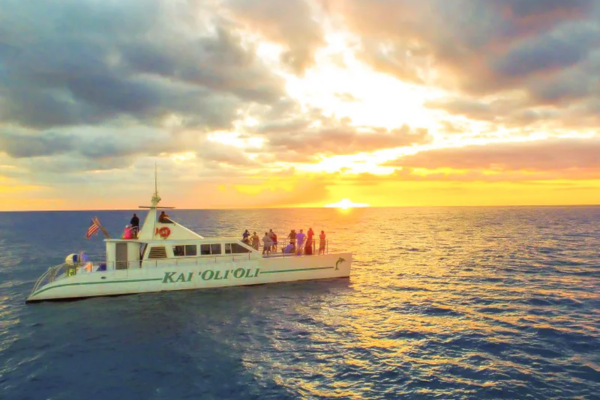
(135, 225)
(292, 237)
(164, 218)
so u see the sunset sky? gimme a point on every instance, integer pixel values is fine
(285, 103)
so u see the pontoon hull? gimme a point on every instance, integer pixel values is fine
(221, 273)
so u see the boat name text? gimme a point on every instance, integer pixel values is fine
(209, 275)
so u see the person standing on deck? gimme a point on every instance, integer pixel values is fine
(267, 244)
(255, 241)
(308, 249)
(273, 237)
(135, 224)
(128, 233)
(309, 237)
(292, 237)
(300, 238)
(322, 237)
(245, 237)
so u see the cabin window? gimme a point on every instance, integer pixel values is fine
(235, 248)
(191, 250)
(158, 252)
(185, 251)
(208, 249)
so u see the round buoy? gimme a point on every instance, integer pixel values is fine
(164, 232)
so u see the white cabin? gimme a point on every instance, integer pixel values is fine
(181, 246)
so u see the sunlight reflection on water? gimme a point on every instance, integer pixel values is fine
(450, 303)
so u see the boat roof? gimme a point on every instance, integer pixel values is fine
(177, 241)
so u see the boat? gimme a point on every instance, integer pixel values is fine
(167, 256)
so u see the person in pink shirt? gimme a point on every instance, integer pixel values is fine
(128, 233)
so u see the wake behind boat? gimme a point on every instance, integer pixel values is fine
(167, 256)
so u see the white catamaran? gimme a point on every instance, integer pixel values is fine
(168, 256)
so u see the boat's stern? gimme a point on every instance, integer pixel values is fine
(48, 279)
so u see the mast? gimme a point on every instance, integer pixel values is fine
(149, 232)
(155, 197)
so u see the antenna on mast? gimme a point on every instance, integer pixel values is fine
(155, 198)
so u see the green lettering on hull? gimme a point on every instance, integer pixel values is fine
(168, 277)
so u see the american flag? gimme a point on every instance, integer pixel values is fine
(93, 229)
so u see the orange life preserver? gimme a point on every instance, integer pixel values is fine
(164, 232)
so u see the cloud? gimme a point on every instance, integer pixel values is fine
(539, 52)
(88, 62)
(302, 144)
(300, 190)
(346, 97)
(90, 142)
(22, 146)
(220, 153)
(289, 22)
(542, 155)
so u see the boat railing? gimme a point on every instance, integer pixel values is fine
(53, 274)
(321, 250)
(163, 262)
(65, 270)
(193, 260)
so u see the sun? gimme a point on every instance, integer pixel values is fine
(345, 204)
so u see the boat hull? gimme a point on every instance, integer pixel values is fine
(205, 275)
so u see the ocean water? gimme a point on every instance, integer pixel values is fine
(448, 303)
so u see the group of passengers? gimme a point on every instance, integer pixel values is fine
(299, 243)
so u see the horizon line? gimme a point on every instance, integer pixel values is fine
(322, 207)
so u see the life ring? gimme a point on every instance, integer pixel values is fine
(164, 232)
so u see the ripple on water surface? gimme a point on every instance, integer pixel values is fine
(442, 303)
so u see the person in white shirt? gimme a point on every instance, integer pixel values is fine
(267, 243)
(300, 237)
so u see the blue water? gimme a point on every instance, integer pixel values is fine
(451, 303)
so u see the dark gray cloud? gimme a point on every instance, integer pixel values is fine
(95, 143)
(534, 8)
(18, 145)
(105, 148)
(86, 62)
(559, 49)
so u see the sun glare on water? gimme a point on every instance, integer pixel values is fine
(345, 204)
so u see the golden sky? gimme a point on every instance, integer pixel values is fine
(299, 103)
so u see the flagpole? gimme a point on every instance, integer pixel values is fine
(102, 228)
